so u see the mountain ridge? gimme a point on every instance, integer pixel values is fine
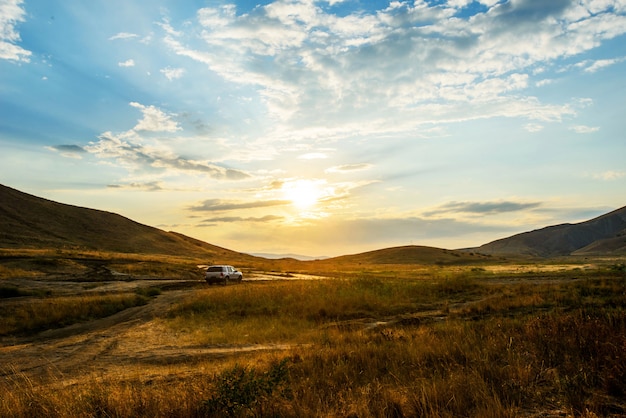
(603, 235)
(29, 221)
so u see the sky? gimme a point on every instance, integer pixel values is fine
(319, 127)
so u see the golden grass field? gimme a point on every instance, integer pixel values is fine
(88, 334)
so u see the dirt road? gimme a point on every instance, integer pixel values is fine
(135, 338)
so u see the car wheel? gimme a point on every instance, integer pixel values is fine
(226, 280)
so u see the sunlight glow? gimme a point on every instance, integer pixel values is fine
(302, 193)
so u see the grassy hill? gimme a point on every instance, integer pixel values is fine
(30, 222)
(412, 254)
(604, 235)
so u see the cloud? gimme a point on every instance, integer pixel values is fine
(127, 63)
(582, 129)
(599, 64)
(232, 219)
(217, 205)
(151, 186)
(69, 151)
(173, 73)
(397, 69)
(127, 149)
(313, 156)
(482, 208)
(123, 35)
(138, 152)
(533, 127)
(349, 167)
(11, 13)
(154, 119)
(610, 175)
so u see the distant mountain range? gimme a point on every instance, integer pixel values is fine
(28, 221)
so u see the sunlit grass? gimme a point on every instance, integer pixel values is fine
(376, 344)
(43, 313)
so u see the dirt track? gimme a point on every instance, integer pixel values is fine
(133, 337)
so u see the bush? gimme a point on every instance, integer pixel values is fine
(240, 389)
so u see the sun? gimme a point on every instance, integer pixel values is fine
(303, 194)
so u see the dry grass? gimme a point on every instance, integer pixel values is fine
(384, 344)
(55, 312)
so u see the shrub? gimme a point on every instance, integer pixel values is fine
(240, 389)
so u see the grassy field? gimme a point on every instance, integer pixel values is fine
(399, 340)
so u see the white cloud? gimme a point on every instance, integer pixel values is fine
(533, 127)
(610, 175)
(173, 73)
(582, 129)
(127, 63)
(123, 35)
(141, 155)
(399, 68)
(347, 168)
(599, 64)
(11, 13)
(313, 156)
(154, 119)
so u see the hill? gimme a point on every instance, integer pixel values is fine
(604, 235)
(411, 254)
(28, 221)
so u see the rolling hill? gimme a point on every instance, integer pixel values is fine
(604, 235)
(28, 221)
(411, 254)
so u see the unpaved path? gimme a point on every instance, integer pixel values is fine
(133, 337)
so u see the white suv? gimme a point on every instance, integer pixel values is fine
(222, 274)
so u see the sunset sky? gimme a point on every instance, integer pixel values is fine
(319, 127)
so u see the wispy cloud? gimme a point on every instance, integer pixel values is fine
(123, 35)
(11, 13)
(130, 153)
(583, 129)
(154, 119)
(482, 208)
(217, 205)
(140, 153)
(127, 63)
(152, 186)
(533, 127)
(346, 168)
(600, 64)
(233, 219)
(610, 175)
(173, 73)
(339, 68)
(70, 151)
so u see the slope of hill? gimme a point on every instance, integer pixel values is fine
(604, 235)
(28, 221)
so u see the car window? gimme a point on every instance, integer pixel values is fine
(213, 269)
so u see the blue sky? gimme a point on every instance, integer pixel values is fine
(319, 127)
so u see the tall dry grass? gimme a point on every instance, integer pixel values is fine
(362, 348)
(37, 314)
